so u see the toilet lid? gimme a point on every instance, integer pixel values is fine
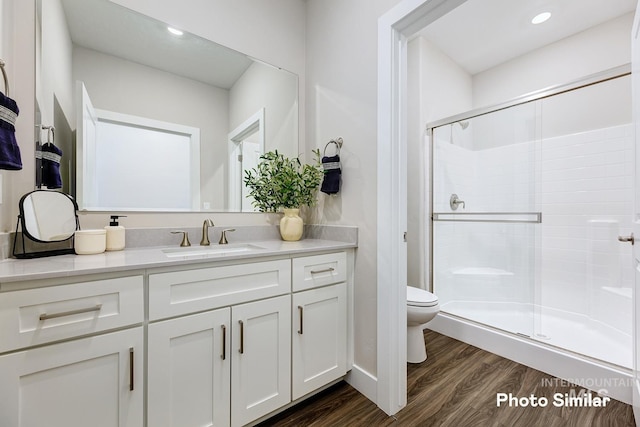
(420, 297)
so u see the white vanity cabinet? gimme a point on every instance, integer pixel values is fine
(227, 366)
(319, 338)
(189, 370)
(261, 358)
(94, 377)
(226, 343)
(224, 367)
(319, 333)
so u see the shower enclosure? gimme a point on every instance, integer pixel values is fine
(529, 199)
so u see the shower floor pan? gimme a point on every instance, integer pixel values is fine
(570, 331)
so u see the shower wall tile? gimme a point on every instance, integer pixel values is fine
(585, 195)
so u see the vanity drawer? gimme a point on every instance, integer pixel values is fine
(36, 316)
(189, 291)
(319, 270)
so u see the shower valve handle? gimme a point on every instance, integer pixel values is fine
(454, 201)
(629, 238)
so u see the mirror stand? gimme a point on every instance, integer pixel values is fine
(28, 248)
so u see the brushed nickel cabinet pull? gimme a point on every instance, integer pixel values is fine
(224, 342)
(131, 369)
(629, 238)
(45, 316)
(326, 270)
(300, 314)
(241, 336)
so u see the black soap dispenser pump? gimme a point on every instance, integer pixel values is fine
(115, 234)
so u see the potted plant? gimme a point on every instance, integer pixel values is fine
(279, 182)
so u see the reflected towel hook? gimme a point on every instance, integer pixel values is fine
(338, 143)
(5, 78)
(51, 135)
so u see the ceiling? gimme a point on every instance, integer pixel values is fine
(478, 35)
(107, 27)
(481, 34)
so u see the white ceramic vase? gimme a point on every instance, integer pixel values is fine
(291, 225)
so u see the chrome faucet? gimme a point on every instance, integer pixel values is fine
(205, 232)
(454, 201)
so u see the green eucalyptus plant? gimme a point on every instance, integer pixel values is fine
(280, 182)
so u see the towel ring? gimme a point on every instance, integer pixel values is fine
(338, 143)
(5, 78)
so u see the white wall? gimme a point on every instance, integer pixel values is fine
(342, 43)
(262, 86)
(438, 88)
(599, 48)
(18, 41)
(55, 71)
(273, 31)
(115, 84)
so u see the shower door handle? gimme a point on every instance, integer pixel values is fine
(629, 238)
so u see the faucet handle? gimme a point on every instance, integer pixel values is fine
(185, 237)
(223, 237)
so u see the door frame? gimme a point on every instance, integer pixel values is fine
(635, 99)
(255, 123)
(402, 21)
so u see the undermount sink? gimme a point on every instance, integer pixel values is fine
(210, 251)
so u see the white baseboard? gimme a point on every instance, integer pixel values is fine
(364, 382)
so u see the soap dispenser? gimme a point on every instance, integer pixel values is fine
(115, 234)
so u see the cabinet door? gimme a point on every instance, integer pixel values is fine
(189, 368)
(94, 381)
(319, 338)
(261, 362)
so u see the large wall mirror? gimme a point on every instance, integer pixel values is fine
(149, 119)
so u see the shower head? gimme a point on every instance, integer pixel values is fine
(462, 123)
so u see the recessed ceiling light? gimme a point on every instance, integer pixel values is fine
(540, 18)
(175, 31)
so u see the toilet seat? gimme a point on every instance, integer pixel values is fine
(420, 298)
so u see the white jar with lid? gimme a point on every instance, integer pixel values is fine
(87, 242)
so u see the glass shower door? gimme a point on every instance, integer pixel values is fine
(485, 221)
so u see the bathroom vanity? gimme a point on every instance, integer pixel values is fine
(153, 337)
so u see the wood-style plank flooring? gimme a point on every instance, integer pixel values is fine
(456, 387)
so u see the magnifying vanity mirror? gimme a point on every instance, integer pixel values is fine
(46, 218)
(153, 120)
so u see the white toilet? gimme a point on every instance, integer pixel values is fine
(422, 307)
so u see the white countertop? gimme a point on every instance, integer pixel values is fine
(16, 270)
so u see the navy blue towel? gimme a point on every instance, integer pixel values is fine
(51, 156)
(332, 174)
(9, 151)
